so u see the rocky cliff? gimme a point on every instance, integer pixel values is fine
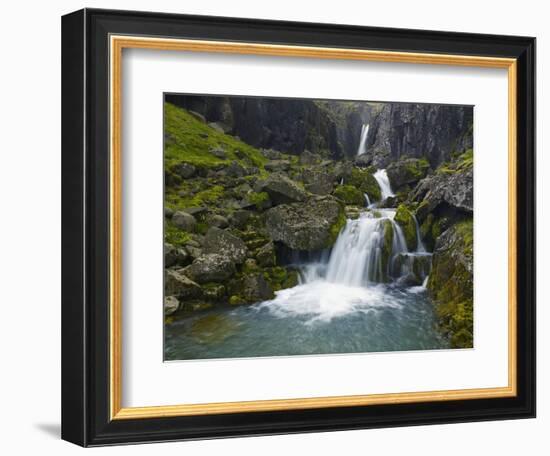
(333, 129)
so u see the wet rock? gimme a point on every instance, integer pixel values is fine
(222, 242)
(211, 267)
(312, 225)
(404, 218)
(213, 291)
(184, 221)
(171, 305)
(256, 288)
(350, 195)
(178, 284)
(281, 189)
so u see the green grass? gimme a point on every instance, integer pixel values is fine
(174, 235)
(206, 197)
(190, 140)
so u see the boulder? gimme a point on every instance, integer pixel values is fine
(185, 170)
(274, 166)
(350, 195)
(271, 154)
(309, 158)
(213, 291)
(235, 169)
(211, 267)
(407, 171)
(312, 225)
(218, 152)
(404, 218)
(168, 212)
(455, 189)
(222, 242)
(171, 305)
(240, 218)
(220, 127)
(177, 284)
(266, 255)
(174, 255)
(281, 189)
(256, 288)
(184, 221)
(219, 221)
(320, 188)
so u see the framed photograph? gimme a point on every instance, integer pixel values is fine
(277, 227)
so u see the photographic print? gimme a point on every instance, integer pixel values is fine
(309, 226)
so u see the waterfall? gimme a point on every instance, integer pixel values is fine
(367, 199)
(363, 140)
(384, 183)
(420, 248)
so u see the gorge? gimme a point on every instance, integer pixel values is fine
(347, 248)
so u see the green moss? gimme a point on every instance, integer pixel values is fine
(460, 163)
(350, 195)
(236, 300)
(175, 236)
(364, 181)
(405, 219)
(189, 140)
(178, 198)
(336, 228)
(258, 199)
(451, 286)
(387, 248)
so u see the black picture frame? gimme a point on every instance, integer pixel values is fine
(85, 228)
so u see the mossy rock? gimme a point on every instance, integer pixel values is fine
(387, 248)
(404, 218)
(350, 195)
(451, 283)
(364, 181)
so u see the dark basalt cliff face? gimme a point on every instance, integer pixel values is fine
(333, 129)
(426, 131)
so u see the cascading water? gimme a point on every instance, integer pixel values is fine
(384, 183)
(355, 298)
(363, 140)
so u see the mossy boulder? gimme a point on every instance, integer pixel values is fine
(212, 267)
(178, 284)
(364, 181)
(404, 218)
(349, 195)
(407, 171)
(175, 255)
(224, 243)
(387, 248)
(451, 283)
(312, 225)
(281, 189)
